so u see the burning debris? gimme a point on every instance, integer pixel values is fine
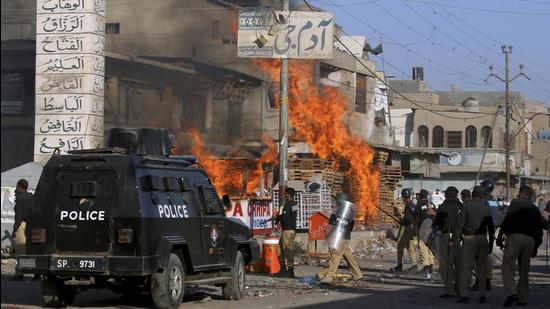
(317, 116)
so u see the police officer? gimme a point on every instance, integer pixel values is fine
(475, 224)
(342, 250)
(424, 210)
(407, 233)
(287, 218)
(446, 220)
(488, 187)
(23, 208)
(523, 229)
(465, 195)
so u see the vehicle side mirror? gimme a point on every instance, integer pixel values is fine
(226, 202)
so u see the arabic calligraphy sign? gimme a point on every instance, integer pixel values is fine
(70, 70)
(285, 34)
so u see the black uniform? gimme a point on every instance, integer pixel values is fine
(474, 223)
(286, 243)
(289, 215)
(23, 208)
(406, 238)
(409, 220)
(523, 228)
(446, 220)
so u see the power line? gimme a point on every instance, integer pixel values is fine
(398, 43)
(488, 10)
(495, 41)
(489, 47)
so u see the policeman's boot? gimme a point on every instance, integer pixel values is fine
(283, 273)
(475, 287)
(398, 268)
(291, 272)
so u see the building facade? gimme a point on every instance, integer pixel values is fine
(174, 64)
(468, 129)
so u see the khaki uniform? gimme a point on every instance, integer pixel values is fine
(426, 255)
(286, 246)
(335, 258)
(448, 258)
(518, 249)
(474, 250)
(405, 239)
(20, 239)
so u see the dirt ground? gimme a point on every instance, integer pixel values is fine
(380, 287)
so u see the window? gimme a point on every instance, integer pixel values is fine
(361, 93)
(112, 28)
(210, 201)
(438, 138)
(454, 139)
(423, 136)
(486, 138)
(471, 137)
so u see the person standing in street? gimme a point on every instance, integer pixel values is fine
(287, 218)
(23, 208)
(424, 210)
(465, 195)
(522, 226)
(488, 187)
(475, 226)
(339, 245)
(407, 233)
(446, 220)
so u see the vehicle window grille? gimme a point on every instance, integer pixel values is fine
(213, 204)
(185, 184)
(172, 184)
(84, 189)
(154, 183)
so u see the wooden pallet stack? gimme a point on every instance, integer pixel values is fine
(390, 176)
(303, 169)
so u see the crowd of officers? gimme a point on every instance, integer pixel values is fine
(466, 227)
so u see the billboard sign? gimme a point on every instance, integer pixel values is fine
(264, 33)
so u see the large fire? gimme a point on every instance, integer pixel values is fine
(226, 175)
(316, 116)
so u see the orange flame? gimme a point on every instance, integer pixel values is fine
(226, 174)
(316, 116)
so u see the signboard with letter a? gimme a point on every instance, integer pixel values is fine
(285, 34)
(254, 213)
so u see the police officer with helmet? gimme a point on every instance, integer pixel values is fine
(475, 225)
(338, 237)
(287, 218)
(488, 187)
(407, 233)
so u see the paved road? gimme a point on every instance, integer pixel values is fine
(381, 289)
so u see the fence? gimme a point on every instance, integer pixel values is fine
(308, 204)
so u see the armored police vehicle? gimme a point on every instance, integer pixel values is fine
(133, 219)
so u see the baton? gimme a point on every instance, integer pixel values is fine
(388, 214)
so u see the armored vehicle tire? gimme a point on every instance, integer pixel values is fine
(168, 287)
(56, 294)
(235, 288)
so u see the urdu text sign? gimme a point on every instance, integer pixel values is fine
(285, 34)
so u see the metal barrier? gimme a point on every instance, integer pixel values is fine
(308, 204)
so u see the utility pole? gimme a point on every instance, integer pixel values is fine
(507, 50)
(283, 123)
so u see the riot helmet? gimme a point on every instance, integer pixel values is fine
(488, 186)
